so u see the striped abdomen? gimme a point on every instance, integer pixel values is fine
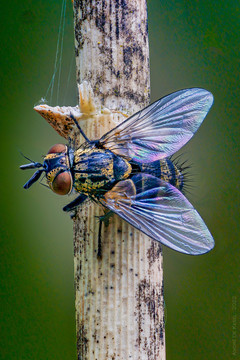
(165, 170)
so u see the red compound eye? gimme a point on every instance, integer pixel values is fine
(57, 148)
(62, 184)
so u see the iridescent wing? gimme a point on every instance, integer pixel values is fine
(162, 128)
(160, 211)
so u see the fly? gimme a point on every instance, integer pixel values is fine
(129, 171)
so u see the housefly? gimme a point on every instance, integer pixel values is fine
(129, 171)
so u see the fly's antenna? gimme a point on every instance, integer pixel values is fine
(26, 157)
(32, 165)
(79, 128)
(33, 179)
(36, 175)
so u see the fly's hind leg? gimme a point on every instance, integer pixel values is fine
(104, 218)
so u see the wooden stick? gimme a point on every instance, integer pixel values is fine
(119, 298)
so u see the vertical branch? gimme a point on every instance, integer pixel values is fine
(119, 298)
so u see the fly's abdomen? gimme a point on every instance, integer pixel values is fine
(165, 170)
(96, 170)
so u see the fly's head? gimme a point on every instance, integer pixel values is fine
(56, 166)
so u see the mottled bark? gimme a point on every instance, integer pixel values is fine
(119, 298)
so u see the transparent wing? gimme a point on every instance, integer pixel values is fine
(160, 211)
(160, 129)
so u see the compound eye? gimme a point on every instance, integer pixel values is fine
(62, 184)
(57, 148)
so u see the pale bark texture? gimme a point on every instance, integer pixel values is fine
(119, 298)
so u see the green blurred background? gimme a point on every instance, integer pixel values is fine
(192, 43)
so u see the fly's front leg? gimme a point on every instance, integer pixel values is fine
(75, 203)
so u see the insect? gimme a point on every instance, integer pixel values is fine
(129, 171)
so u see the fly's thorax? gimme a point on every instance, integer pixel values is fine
(165, 170)
(57, 167)
(97, 170)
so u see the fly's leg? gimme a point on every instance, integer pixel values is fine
(79, 128)
(99, 253)
(75, 203)
(105, 219)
